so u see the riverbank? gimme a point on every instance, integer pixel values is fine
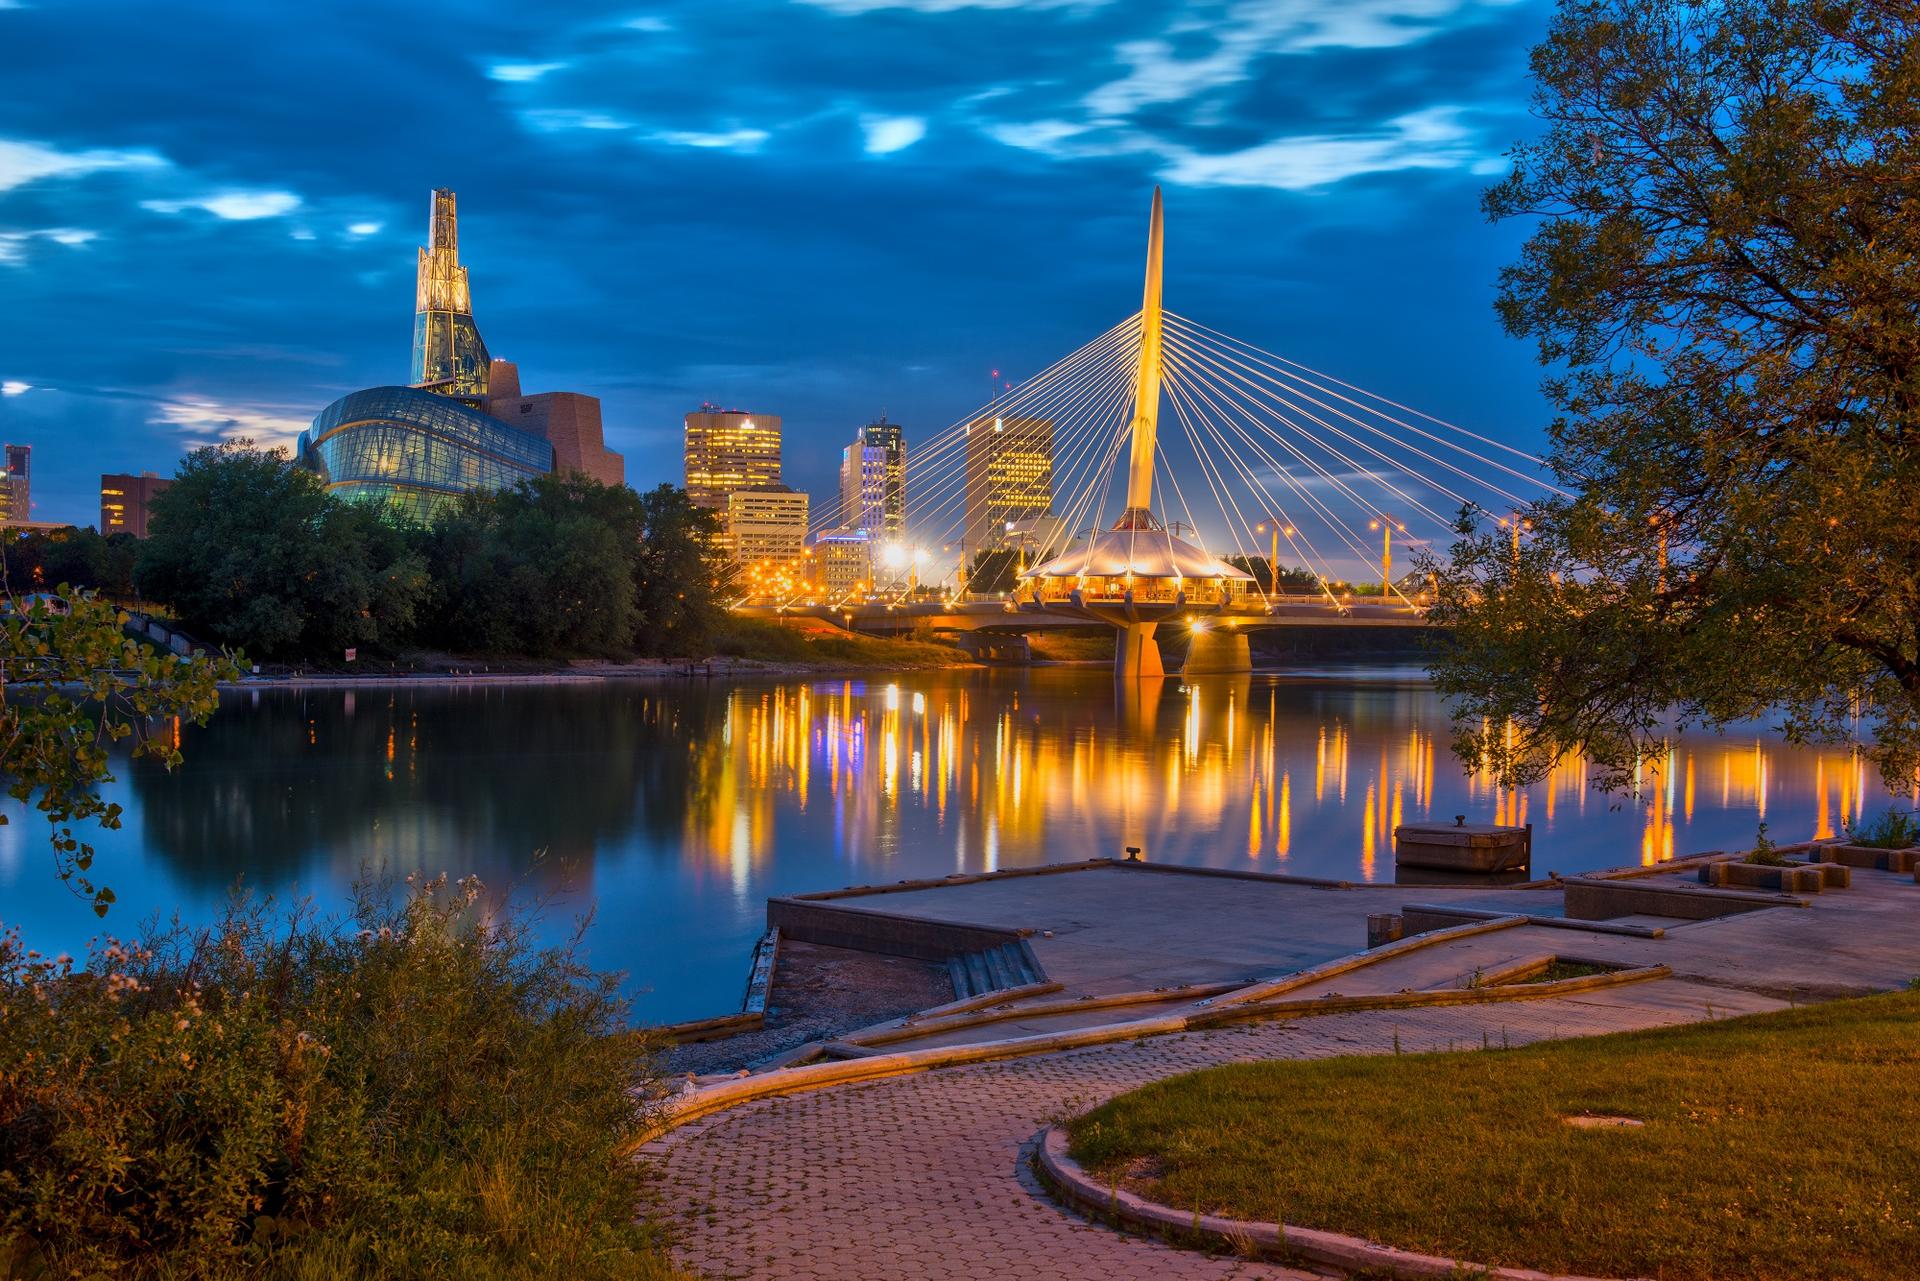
(751, 650)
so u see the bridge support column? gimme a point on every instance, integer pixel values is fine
(1136, 653)
(1217, 651)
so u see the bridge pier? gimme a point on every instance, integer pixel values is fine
(1136, 653)
(1218, 651)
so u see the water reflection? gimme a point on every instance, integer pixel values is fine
(676, 808)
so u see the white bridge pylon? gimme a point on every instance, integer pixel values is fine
(1267, 452)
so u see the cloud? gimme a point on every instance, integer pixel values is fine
(854, 8)
(887, 134)
(1431, 139)
(522, 72)
(649, 23)
(13, 244)
(234, 206)
(14, 387)
(1160, 73)
(364, 228)
(561, 119)
(729, 140)
(208, 422)
(25, 162)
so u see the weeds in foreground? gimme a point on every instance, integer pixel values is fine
(418, 1091)
(1892, 830)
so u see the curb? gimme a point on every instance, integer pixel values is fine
(1199, 1015)
(1070, 1183)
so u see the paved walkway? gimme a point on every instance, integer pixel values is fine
(927, 1177)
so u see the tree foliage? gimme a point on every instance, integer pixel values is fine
(996, 569)
(249, 549)
(1722, 280)
(420, 1092)
(544, 568)
(42, 559)
(678, 576)
(72, 683)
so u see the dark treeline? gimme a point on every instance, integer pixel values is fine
(248, 550)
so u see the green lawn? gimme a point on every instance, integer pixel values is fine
(1781, 1146)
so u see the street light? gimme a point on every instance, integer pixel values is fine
(1273, 561)
(1386, 525)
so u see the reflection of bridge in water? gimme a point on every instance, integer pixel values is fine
(1267, 450)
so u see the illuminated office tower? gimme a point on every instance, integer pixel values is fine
(767, 524)
(16, 495)
(1009, 478)
(124, 500)
(873, 481)
(448, 355)
(729, 449)
(843, 560)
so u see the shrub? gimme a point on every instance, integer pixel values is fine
(1893, 830)
(1765, 852)
(424, 1095)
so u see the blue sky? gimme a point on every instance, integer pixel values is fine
(818, 208)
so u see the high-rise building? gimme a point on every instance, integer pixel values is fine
(873, 481)
(463, 424)
(767, 524)
(16, 490)
(124, 498)
(448, 354)
(843, 560)
(729, 449)
(1009, 478)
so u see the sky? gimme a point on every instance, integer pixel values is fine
(823, 209)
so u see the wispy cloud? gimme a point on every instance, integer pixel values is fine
(728, 139)
(947, 6)
(14, 387)
(234, 206)
(25, 162)
(1432, 139)
(522, 72)
(887, 134)
(13, 244)
(204, 422)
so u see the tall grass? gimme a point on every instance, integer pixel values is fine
(415, 1091)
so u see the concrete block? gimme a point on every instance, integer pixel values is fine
(1384, 927)
(1871, 857)
(1600, 900)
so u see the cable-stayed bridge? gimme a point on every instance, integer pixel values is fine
(1169, 473)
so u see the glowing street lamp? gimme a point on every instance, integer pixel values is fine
(1386, 525)
(1273, 560)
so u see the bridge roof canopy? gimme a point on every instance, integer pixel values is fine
(1140, 553)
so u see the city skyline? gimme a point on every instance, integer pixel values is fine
(800, 241)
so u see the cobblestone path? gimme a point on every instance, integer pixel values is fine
(927, 1177)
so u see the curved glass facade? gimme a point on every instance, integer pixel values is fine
(415, 450)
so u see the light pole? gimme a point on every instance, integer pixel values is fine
(1517, 523)
(1273, 558)
(1386, 525)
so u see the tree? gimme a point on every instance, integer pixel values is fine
(678, 575)
(1722, 280)
(39, 560)
(73, 682)
(545, 567)
(995, 570)
(248, 549)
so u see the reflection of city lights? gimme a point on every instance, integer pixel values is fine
(995, 778)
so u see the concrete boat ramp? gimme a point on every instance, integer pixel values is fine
(1078, 954)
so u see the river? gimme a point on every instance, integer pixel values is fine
(672, 809)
